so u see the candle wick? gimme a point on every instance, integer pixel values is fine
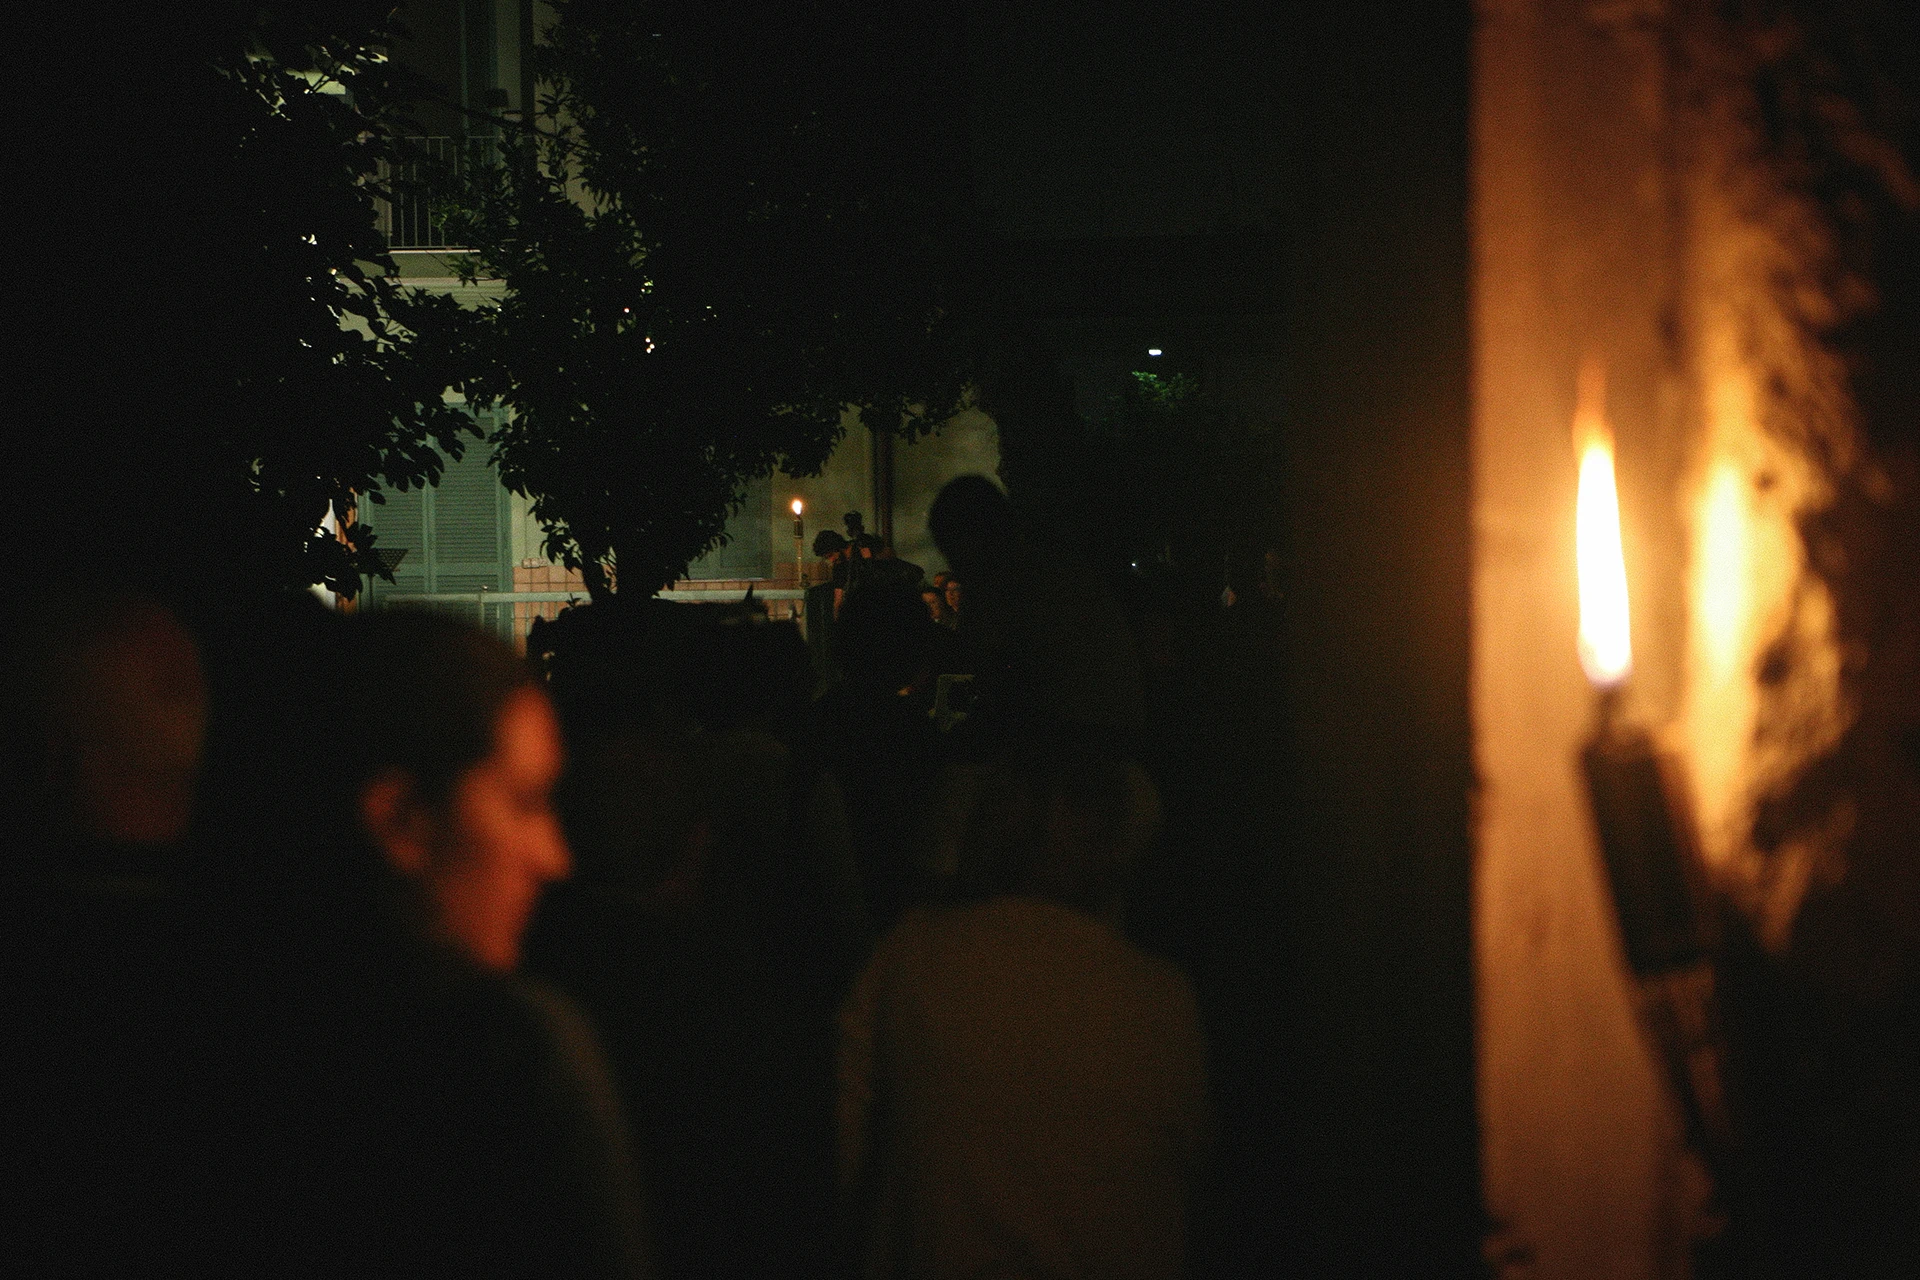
(1609, 709)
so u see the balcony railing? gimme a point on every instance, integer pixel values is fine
(431, 174)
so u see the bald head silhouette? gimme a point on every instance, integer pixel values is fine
(112, 709)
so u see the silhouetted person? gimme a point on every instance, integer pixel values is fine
(829, 546)
(1050, 646)
(879, 739)
(110, 705)
(1023, 1092)
(370, 1090)
(724, 1060)
(823, 600)
(105, 712)
(710, 932)
(942, 597)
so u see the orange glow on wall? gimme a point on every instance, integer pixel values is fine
(1722, 589)
(1750, 594)
(1606, 646)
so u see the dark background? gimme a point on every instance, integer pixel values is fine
(1278, 196)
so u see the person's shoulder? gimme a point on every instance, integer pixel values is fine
(1010, 928)
(915, 927)
(551, 1014)
(535, 1049)
(540, 1112)
(1106, 947)
(487, 1023)
(924, 934)
(520, 1018)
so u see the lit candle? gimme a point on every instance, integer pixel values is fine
(1626, 776)
(799, 545)
(1606, 644)
(1646, 837)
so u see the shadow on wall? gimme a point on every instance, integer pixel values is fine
(966, 444)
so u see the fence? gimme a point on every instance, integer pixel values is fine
(510, 614)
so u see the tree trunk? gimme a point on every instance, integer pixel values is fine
(594, 571)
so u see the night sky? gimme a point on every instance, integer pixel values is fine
(1128, 119)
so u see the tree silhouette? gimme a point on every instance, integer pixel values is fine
(218, 331)
(725, 226)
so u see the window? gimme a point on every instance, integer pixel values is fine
(454, 532)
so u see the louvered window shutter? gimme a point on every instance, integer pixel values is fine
(468, 524)
(400, 522)
(454, 532)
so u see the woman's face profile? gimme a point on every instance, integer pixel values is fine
(498, 838)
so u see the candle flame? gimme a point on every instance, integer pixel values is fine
(1606, 648)
(796, 506)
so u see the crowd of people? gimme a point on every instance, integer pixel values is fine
(362, 945)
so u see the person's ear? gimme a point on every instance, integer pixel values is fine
(400, 825)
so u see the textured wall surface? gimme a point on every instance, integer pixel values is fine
(1719, 203)
(1800, 129)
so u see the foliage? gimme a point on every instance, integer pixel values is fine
(1176, 478)
(727, 225)
(228, 338)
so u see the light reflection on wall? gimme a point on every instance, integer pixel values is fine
(1721, 591)
(1762, 688)
(1721, 702)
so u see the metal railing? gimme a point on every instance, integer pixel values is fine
(510, 614)
(431, 174)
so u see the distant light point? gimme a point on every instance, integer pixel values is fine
(1153, 351)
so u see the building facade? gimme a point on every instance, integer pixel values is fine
(468, 540)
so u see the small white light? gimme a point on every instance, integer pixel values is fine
(1153, 351)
